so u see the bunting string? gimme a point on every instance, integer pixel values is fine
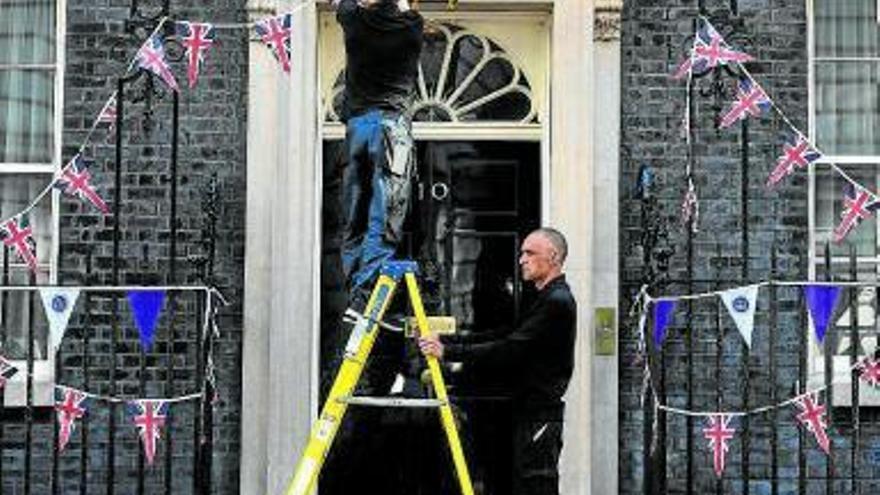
(62, 299)
(250, 25)
(759, 410)
(870, 367)
(860, 202)
(150, 57)
(690, 206)
(118, 288)
(86, 140)
(658, 404)
(709, 51)
(121, 400)
(765, 283)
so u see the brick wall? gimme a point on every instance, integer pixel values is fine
(212, 142)
(655, 37)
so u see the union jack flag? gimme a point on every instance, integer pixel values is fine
(108, 113)
(709, 51)
(75, 180)
(151, 57)
(870, 372)
(797, 152)
(70, 405)
(18, 234)
(149, 417)
(275, 33)
(7, 371)
(858, 205)
(718, 433)
(196, 38)
(811, 415)
(750, 100)
(690, 208)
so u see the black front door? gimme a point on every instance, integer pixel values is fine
(473, 203)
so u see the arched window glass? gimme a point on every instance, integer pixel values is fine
(463, 77)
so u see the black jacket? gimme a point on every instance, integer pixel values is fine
(537, 356)
(382, 48)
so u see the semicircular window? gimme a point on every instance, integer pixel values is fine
(463, 77)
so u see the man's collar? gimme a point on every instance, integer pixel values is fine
(559, 279)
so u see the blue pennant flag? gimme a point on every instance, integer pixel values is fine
(821, 300)
(146, 307)
(662, 316)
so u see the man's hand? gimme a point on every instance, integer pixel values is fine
(431, 346)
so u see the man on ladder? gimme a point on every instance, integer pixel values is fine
(383, 43)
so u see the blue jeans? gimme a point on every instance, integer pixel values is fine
(376, 189)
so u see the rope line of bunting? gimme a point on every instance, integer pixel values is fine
(148, 415)
(709, 51)
(121, 400)
(821, 300)
(74, 179)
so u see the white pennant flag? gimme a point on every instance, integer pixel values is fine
(58, 304)
(741, 304)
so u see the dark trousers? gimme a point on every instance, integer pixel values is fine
(537, 443)
(376, 187)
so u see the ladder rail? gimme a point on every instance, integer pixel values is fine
(357, 351)
(446, 416)
(324, 430)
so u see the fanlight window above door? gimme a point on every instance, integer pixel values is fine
(463, 77)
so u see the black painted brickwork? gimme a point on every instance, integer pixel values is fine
(212, 140)
(655, 35)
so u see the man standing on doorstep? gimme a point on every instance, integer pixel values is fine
(536, 357)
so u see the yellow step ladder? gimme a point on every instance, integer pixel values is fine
(357, 350)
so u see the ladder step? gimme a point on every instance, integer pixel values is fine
(391, 401)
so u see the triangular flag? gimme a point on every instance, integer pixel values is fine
(869, 371)
(107, 116)
(858, 204)
(751, 100)
(821, 300)
(709, 51)
(75, 180)
(662, 316)
(197, 38)
(797, 153)
(718, 432)
(812, 415)
(741, 304)
(149, 417)
(58, 304)
(151, 57)
(275, 33)
(70, 405)
(18, 234)
(7, 371)
(146, 306)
